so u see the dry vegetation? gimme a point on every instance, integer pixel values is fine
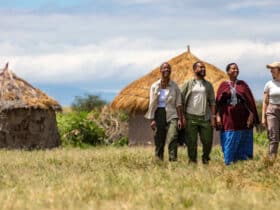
(17, 93)
(129, 178)
(135, 96)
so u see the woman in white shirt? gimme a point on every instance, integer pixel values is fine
(165, 113)
(271, 109)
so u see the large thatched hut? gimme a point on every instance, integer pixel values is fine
(134, 98)
(27, 115)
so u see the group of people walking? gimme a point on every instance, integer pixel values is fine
(195, 109)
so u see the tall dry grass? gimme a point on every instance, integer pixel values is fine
(130, 178)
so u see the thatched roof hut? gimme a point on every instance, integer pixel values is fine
(134, 98)
(27, 115)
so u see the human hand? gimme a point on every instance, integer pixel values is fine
(264, 123)
(213, 122)
(250, 120)
(153, 124)
(181, 123)
(218, 121)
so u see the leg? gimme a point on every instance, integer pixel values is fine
(160, 133)
(191, 137)
(172, 139)
(206, 137)
(272, 130)
(230, 142)
(245, 148)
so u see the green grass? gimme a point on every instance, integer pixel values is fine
(129, 178)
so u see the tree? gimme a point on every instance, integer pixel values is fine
(87, 103)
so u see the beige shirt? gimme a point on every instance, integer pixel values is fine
(187, 90)
(173, 100)
(198, 99)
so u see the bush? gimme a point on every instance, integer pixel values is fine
(121, 142)
(259, 127)
(75, 129)
(115, 124)
(87, 103)
(261, 138)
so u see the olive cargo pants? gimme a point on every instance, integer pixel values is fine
(198, 125)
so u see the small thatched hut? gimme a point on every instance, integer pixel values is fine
(27, 115)
(135, 97)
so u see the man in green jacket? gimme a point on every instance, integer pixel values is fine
(199, 108)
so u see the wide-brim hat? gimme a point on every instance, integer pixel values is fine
(273, 65)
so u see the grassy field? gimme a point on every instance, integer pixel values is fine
(130, 178)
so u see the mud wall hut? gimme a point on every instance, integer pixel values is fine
(27, 115)
(134, 98)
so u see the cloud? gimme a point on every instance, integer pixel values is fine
(253, 4)
(119, 59)
(87, 63)
(113, 49)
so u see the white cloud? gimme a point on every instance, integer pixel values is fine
(84, 48)
(116, 59)
(253, 3)
(87, 63)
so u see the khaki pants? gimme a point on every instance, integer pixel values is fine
(273, 127)
(165, 132)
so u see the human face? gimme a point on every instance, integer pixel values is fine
(233, 72)
(200, 70)
(275, 72)
(165, 70)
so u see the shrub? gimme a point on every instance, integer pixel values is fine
(121, 142)
(75, 129)
(115, 124)
(261, 138)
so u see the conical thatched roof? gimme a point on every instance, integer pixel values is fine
(17, 93)
(135, 97)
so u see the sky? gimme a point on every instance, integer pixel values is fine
(69, 48)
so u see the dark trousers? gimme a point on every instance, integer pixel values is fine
(165, 132)
(198, 125)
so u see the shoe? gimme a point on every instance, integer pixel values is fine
(192, 162)
(205, 160)
(172, 159)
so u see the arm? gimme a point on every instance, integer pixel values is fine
(179, 109)
(251, 106)
(184, 90)
(149, 114)
(213, 115)
(181, 121)
(218, 107)
(212, 104)
(218, 120)
(250, 120)
(153, 122)
(264, 108)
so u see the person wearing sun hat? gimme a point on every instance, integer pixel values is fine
(271, 109)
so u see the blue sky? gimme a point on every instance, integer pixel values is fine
(68, 48)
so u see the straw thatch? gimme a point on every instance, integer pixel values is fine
(17, 93)
(135, 97)
(27, 115)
